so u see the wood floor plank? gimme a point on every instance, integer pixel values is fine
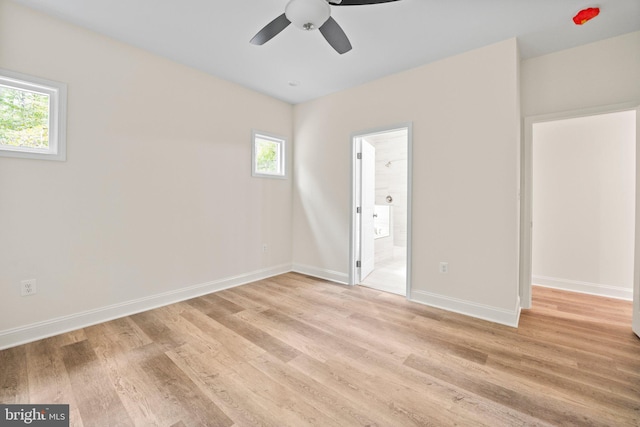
(280, 399)
(293, 350)
(298, 339)
(48, 378)
(220, 306)
(97, 401)
(269, 343)
(451, 346)
(214, 380)
(369, 340)
(327, 400)
(157, 329)
(282, 303)
(137, 392)
(335, 343)
(232, 346)
(337, 305)
(311, 282)
(452, 400)
(387, 301)
(183, 395)
(117, 336)
(14, 379)
(244, 302)
(352, 391)
(593, 396)
(516, 397)
(413, 406)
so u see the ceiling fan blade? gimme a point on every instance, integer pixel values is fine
(271, 30)
(335, 36)
(357, 2)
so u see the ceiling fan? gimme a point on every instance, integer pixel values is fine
(310, 15)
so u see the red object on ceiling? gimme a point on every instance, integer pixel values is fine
(586, 15)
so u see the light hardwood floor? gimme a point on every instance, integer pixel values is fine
(299, 351)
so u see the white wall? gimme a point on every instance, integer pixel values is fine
(597, 74)
(156, 195)
(465, 114)
(584, 204)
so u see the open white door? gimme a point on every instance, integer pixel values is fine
(367, 209)
(636, 273)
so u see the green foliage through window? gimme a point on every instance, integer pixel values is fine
(24, 118)
(267, 153)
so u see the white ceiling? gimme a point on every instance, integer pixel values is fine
(213, 35)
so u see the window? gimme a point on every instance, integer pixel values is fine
(32, 117)
(268, 156)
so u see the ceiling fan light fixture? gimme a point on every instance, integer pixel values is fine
(308, 14)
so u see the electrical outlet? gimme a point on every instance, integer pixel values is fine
(264, 247)
(444, 267)
(28, 287)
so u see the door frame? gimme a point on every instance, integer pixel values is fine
(355, 181)
(635, 322)
(526, 202)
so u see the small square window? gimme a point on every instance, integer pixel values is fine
(268, 155)
(32, 117)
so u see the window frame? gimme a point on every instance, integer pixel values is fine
(282, 153)
(57, 93)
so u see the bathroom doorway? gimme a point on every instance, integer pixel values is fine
(381, 209)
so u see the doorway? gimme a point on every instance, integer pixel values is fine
(603, 211)
(584, 204)
(381, 209)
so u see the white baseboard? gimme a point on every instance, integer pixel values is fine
(618, 292)
(469, 308)
(321, 273)
(48, 328)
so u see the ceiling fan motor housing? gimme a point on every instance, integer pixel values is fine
(308, 14)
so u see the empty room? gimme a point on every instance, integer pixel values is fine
(318, 212)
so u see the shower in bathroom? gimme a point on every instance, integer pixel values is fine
(383, 185)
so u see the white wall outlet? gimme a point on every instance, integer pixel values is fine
(265, 248)
(444, 267)
(28, 287)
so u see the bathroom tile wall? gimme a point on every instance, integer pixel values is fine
(391, 180)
